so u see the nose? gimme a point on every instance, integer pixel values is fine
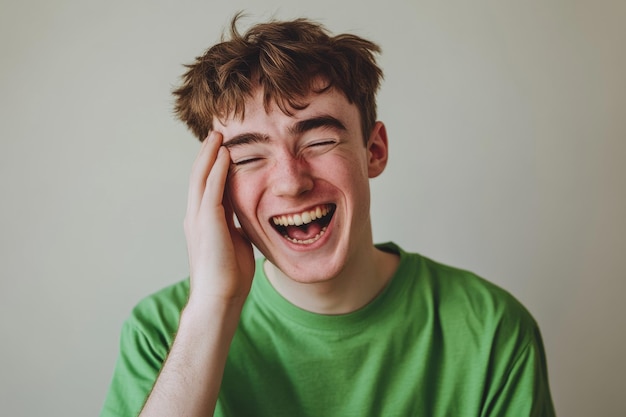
(291, 177)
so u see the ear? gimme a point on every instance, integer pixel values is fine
(377, 150)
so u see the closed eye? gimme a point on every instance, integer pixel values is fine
(246, 161)
(319, 147)
(323, 143)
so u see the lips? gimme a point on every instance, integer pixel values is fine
(306, 227)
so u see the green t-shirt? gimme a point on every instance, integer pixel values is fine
(437, 341)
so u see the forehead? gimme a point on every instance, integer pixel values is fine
(273, 121)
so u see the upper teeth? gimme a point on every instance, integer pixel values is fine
(301, 218)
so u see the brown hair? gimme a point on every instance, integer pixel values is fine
(287, 60)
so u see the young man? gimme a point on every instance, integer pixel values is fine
(327, 323)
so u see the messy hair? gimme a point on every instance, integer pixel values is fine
(287, 60)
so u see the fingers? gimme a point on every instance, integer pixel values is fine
(200, 170)
(216, 181)
(228, 209)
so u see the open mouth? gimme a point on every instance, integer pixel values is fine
(306, 227)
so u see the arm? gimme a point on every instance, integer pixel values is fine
(221, 269)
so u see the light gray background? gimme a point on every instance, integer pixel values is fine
(508, 140)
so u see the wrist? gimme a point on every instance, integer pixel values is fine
(212, 310)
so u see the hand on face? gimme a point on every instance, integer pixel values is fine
(221, 259)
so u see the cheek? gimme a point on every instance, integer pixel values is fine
(244, 192)
(351, 175)
(347, 170)
(237, 193)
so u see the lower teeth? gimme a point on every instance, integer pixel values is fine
(308, 241)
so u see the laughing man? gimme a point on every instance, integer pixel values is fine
(326, 323)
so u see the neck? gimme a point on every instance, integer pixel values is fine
(357, 284)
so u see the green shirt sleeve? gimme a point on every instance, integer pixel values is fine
(136, 370)
(524, 391)
(145, 341)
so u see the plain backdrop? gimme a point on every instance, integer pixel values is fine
(507, 126)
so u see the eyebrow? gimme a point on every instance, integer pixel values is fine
(298, 128)
(246, 138)
(316, 122)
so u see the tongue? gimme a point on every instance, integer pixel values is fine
(304, 232)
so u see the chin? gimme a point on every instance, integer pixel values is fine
(308, 269)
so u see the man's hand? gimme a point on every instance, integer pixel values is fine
(222, 266)
(221, 259)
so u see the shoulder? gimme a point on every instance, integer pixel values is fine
(462, 299)
(483, 336)
(158, 314)
(463, 287)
